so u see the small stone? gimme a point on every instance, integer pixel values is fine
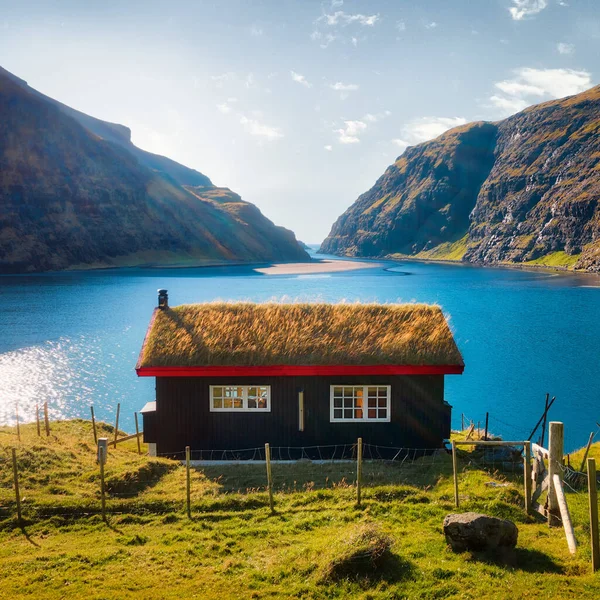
(474, 531)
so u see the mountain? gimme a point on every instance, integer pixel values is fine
(522, 190)
(76, 193)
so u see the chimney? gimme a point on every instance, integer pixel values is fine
(163, 299)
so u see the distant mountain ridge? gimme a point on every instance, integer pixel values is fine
(76, 193)
(522, 190)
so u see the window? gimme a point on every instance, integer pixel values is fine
(234, 398)
(360, 403)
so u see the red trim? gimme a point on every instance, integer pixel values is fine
(305, 370)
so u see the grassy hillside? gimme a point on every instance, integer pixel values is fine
(232, 547)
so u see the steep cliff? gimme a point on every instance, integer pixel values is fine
(74, 192)
(523, 190)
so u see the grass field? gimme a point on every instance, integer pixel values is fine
(233, 547)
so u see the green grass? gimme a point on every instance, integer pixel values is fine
(453, 251)
(556, 259)
(234, 548)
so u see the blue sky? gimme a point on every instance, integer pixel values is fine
(299, 105)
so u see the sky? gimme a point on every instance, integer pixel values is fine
(299, 106)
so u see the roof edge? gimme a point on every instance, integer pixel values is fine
(298, 370)
(138, 364)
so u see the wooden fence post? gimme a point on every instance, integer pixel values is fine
(37, 418)
(269, 476)
(94, 425)
(487, 418)
(565, 514)
(593, 499)
(46, 420)
(455, 470)
(18, 425)
(527, 476)
(555, 463)
(587, 451)
(137, 433)
(117, 424)
(359, 453)
(16, 478)
(101, 461)
(187, 483)
(462, 421)
(546, 407)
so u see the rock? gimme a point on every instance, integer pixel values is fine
(518, 190)
(474, 531)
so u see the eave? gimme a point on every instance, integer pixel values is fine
(298, 370)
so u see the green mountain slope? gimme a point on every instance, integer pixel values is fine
(72, 197)
(523, 190)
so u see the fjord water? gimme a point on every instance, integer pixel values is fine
(72, 339)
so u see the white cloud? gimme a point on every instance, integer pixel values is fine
(338, 86)
(427, 128)
(402, 144)
(530, 85)
(256, 31)
(256, 128)
(340, 17)
(373, 118)
(431, 25)
(526, 8)
(565, 48)
(224, 108)
(350, 132)
(400, 25)
(300, 79)
(329, 148)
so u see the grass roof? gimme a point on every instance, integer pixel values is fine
(249, 334)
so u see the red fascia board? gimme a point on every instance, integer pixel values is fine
(299, 370)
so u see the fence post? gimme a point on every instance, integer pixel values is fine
(37, 418)
(117, 424)
(487, 419)
(102, 442)
(593, 499)
(137, 433)
(359, 453)
(587, 451)
(46, 421)
(555, 460)
(527, 477)
(187, 483)
(454, 469)
(16, 478)
(269, 476)
(94, 425)
(462, 421)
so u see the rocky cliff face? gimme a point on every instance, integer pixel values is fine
(74, 192)
(524, 190)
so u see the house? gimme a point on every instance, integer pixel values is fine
(234, 375)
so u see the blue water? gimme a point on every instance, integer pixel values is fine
(73, 338)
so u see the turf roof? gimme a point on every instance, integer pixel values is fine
(249, 334)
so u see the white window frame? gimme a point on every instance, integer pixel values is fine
(365, 418)
(244, 408)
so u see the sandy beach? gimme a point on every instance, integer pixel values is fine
(320, 266)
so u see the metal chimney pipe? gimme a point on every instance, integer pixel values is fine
(163, 299)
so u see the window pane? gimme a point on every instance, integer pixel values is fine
(217, 403)
(217, 391)
(358, 413)
(382, 402)
(227, 403)
(348, 391)
(238, 403)
(337, 391)
(251, 402)
(372, 413)
(337, 403)
(382, 413)
(372, 402)
(382, 392)
(348, 402)
(347, 413)
(372, 391)
(337, 413)
(252, 392)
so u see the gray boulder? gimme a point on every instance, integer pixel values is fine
(473, 531)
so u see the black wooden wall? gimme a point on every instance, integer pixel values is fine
(419, 416)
